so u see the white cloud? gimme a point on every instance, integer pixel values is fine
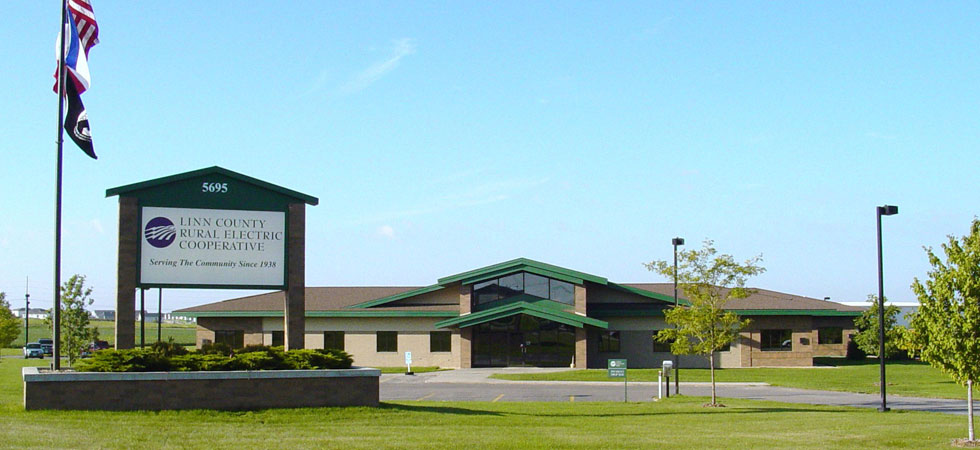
(386, 231)
(400, 49)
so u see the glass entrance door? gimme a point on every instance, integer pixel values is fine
(523, 341)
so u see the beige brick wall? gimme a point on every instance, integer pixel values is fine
(252, 326)
(360, 339)
(802, 342)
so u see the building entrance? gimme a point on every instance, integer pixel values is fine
(523, 340)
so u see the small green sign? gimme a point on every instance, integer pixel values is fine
(617, 368)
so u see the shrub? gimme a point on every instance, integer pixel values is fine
(217, 348)
(169, 348)
(133, 360)
(166, 358)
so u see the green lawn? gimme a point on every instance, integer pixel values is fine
(679, 422)
(909, 378)
(182, 334)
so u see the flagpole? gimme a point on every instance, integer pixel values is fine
(62, 75)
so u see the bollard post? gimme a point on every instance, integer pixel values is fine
(660, 385)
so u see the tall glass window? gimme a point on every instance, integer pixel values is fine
(511, 285)
(485, 292)
(562, 292)
(536, 285)
(523, 283)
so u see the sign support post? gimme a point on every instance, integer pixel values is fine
(617, 369)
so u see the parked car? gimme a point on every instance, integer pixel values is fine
(47, 345)
(33, 350)
(93, 347)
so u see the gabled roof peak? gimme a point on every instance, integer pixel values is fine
(522, 264)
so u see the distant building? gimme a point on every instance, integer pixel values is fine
(104, 314)
(36, 313)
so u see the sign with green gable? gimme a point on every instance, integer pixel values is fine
(211, 228)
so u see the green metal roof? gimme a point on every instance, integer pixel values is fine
(396, 297)
(519, 265)
(649, 294)
(333, 313)
(532, 309)
(214, 170)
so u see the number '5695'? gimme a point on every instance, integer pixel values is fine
(218, 188)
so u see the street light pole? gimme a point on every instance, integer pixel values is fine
(677, 368)
(27, 313)
(886, 210)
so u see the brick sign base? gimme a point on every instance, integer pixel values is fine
(235, 390)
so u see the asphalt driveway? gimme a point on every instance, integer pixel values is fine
(474, 385)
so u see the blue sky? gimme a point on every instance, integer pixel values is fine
(442, 137)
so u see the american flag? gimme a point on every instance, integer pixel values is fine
(88, 34)
(88, 29)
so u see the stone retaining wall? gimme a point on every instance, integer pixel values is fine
(233, 390)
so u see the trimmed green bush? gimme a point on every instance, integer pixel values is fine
(165, 358)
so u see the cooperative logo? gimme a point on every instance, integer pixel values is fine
(160, 232)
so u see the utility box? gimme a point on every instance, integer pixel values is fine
(668, 366)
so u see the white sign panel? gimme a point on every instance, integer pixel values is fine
(215, 247)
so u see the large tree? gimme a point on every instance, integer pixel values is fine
(709, 281)
(867, 325)
(75, 331)
(9, 324)
(945, 331)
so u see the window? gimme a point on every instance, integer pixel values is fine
(523, 283)
(387, 341)
(726, 348)
(608, 341)
(661, 347)
(234, 338)
(830, 335)
(278, 339)
(777, 340)
(440, 341)
(562, 292)
(535, 285)
(511, 285)
(334, 340)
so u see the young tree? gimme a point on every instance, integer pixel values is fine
(708, 281)
(945, 331)
(867, 325)
(75, 331)
(9, 324)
